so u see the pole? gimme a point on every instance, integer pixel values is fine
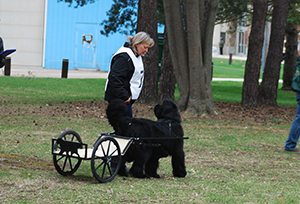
(230, 58)
(7, 67)
(65, 65)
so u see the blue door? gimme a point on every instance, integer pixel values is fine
(85, 46)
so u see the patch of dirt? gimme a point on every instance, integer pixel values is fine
(16, 161)
(262, 115)
(228, 112)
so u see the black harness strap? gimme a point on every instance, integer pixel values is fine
(170, 129)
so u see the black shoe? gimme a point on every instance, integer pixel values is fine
(292, 150)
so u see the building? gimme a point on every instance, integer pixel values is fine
(45, 32)
(235, 37)
(22, 27)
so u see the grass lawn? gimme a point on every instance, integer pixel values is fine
(222, 68)
(226, 163)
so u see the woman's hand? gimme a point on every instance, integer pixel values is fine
(128, 100)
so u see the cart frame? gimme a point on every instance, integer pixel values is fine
(68, 151)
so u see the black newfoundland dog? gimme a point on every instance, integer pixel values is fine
(146, 153)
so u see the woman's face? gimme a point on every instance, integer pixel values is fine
(142, 48)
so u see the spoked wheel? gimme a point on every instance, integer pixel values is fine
(65, 164)
(106, 159)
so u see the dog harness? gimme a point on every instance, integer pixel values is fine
(172, 135)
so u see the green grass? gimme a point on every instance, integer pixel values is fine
(222, 68)
(48, 90)
(40, 90)
(226, 163)
(230, 91)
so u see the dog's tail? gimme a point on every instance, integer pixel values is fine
(115, 111)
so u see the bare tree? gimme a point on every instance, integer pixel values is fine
(147, 21)
(290, 57)
(291, 31)
(190, 42)
(269, 86)
(167, 78)
(178, 48)
(253, 63)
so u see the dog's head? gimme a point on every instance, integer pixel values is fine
(167, 110)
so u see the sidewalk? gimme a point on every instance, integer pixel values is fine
(34, 71)
(234, 57)
(25, 71)
(240, 80)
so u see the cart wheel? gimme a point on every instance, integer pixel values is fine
(106, 159)
(65, 164)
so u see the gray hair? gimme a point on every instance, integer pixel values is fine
(139, 38)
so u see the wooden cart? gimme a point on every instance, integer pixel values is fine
(68, 151)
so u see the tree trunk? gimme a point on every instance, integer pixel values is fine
(178, 48)
(147, 22)
(268, 89)
(207, 39)
(200, 27)
(196, 67)
(190, 41)
(167, 78)
(231, 36)
(290, 58)
(256, 39)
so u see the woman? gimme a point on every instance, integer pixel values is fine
(126, 73)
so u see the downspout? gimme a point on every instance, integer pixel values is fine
(45, 31)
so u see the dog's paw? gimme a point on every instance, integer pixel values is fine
(180, 175)
(123, 172)
(155, 176)
(139, 175)
(144, 176)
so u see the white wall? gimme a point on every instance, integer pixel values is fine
(216, 38)
(227, 48)
(22, 28)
